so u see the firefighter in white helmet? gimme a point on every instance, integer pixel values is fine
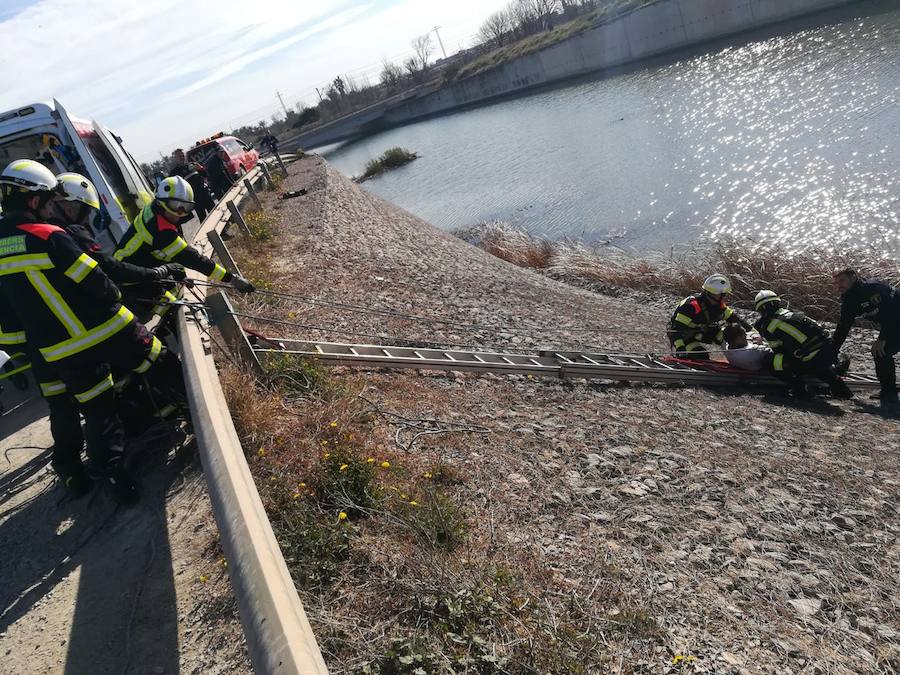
(800, 347)
(155, 237)
(701, 319)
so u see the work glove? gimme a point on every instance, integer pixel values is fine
(171, 270)
(242, 285)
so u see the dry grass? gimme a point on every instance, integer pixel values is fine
(804, 279)
(395, 565)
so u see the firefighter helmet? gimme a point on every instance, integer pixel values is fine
(76, 188)
(717, 284)
(175, 195)
(767, 301)
(28, 175)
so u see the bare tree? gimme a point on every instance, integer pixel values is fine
(411, 65)
(532, 16)
(496, 28)
(391, 74)
(422, 49)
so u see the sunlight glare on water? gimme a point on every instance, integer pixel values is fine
(787, 137)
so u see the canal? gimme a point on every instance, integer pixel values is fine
(785, 136)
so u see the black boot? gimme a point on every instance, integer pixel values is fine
(73, 477)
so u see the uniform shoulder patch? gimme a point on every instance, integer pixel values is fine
(12, 245)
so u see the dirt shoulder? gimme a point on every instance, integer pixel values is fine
(616, 527)
(88, 587)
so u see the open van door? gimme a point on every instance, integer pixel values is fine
(103, 172)
(138, 186)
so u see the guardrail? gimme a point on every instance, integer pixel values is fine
(279, 637)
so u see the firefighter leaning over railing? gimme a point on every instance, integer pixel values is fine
(155, 237)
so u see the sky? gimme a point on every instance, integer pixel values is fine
(164, 73)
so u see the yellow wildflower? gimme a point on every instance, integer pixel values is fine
(413, 503)
(203, 578)
(427, 474)
(326, 455)
(302, 484)
(342, 516)
(343, 466)
(261, 452)
(385, 465)
(295, 496)
(371, 460)
(333, 425)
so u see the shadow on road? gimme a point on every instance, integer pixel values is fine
(124, 617)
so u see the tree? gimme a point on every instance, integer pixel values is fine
(496, 28)
(422, 49)
(339, 86)
(306, 116)
(391, 74)
(411, 66)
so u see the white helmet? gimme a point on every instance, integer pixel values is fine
(175, 195)
(77, 188)
(766, 297)
(28, 175)
(717, 284)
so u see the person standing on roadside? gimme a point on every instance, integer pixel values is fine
(879, 303)
(219, 171)
(195, 174)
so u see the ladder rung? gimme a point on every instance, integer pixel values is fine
(448, 357)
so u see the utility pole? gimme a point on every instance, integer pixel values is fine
(319, 92)
(278, 94)
(440, 42)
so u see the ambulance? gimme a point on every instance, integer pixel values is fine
(49, 134)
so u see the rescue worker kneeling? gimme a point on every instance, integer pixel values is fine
(701, 319)
(72, 315)
(800, 347)
(155, 237)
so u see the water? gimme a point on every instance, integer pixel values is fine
(788, 136)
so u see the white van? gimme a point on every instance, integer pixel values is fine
(47, 133)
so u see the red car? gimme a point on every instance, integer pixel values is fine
(241, 156)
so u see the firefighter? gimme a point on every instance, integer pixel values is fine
(155, 237)
(72, 315)
(702, 318)
(75, 208)
(877, 302)
(800, 347)
(195, 174)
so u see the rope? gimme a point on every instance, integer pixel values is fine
(414, 317)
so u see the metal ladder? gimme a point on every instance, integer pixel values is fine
(568, 365)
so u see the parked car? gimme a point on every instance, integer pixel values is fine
(242, 156)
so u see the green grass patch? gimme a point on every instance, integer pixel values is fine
(391, 159)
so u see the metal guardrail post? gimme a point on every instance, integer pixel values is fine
(237, 217)
(267, 175)
(281, 164)
(222, 253)
(252, 192)
(221, 314)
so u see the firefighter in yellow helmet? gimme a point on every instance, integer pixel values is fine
(155, 237)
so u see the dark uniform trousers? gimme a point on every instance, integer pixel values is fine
(85, 381)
